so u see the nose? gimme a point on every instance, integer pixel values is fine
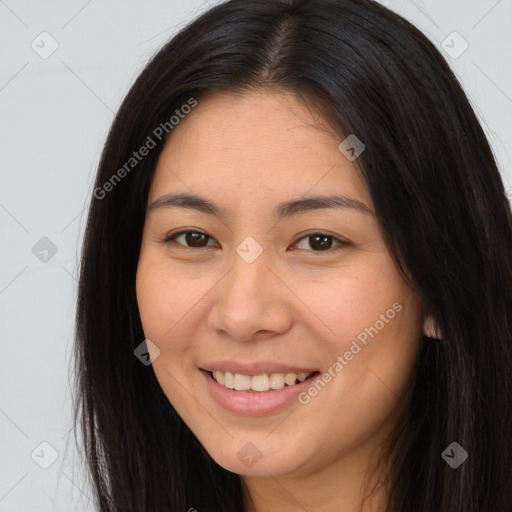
(251, 302)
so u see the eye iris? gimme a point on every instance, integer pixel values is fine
(318, 241)
(194, 239)
(321, 242)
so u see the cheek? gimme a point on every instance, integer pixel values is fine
(354, 299)
(371, 319)
(166, 304)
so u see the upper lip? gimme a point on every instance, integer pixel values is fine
(254, 368)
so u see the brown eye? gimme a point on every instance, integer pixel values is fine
(320, 242)
(190, 239)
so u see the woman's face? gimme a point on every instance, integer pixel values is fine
(272, 281)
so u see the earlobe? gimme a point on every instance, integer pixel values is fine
(431, 329)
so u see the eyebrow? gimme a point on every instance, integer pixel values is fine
(281, 211)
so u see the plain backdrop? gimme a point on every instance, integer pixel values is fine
(65, 67)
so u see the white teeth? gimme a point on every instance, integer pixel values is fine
(277, 380)
(242, 382)
(219, 377)
(259, 383)
(229, 380)
(290, 379)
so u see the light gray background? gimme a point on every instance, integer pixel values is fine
(55, 114)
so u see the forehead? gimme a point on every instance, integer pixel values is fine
(258, 143)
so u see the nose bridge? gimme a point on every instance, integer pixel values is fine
(247, 283)
(247, 299)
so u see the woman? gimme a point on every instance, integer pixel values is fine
(296, 288)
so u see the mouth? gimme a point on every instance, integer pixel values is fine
(256, 388)
(263, 383)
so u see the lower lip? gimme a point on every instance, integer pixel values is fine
(254, 403)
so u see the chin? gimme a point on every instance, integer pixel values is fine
(258, 458)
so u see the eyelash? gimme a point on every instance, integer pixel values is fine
(341, 243)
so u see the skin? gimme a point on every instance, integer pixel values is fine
(295, 304)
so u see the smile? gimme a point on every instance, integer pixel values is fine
(260, 383)
(257, 394)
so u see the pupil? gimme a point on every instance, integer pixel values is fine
(319, 241)
(322, 244)
(194, 239)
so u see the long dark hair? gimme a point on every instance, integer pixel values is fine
(442, 208)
